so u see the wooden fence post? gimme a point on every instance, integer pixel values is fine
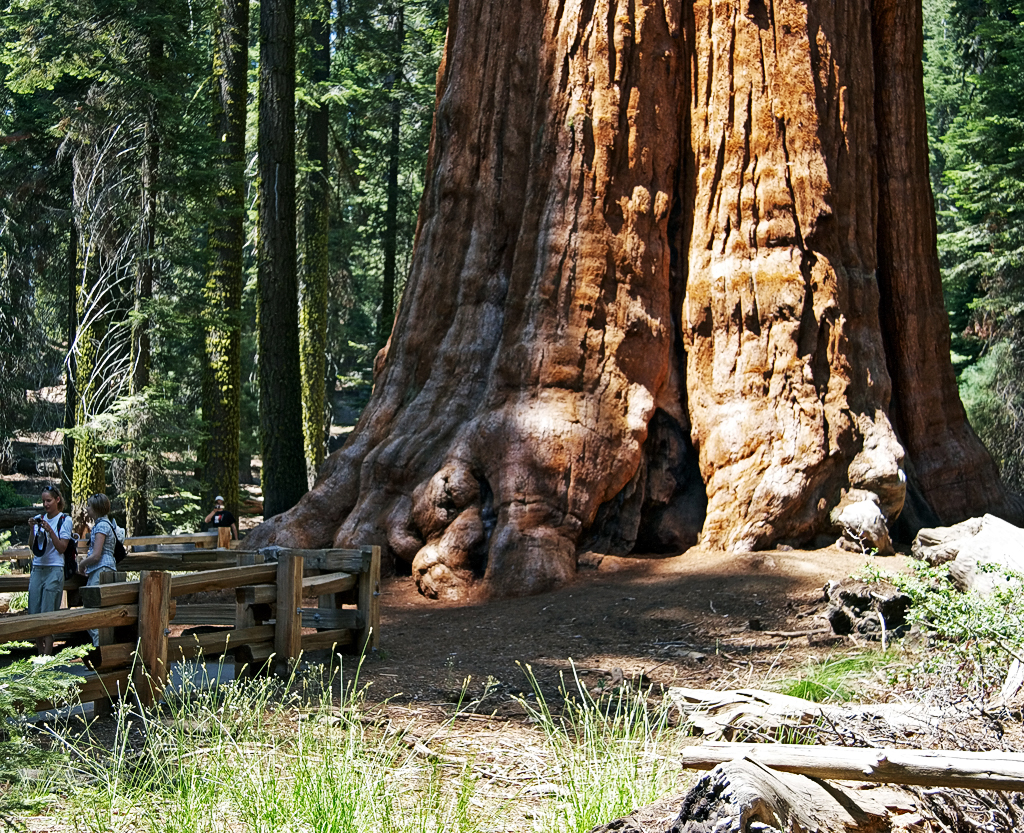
(154, 618)
(105, 636)
(244, 617)
(288, 622)
(369, 601)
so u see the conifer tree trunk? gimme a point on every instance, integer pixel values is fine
(386, 317)
(313, 299)
(137, 470)
(278, 369)
(90, 470)
(644, 303)
(223, 292)
(67, 462)
(950, 474)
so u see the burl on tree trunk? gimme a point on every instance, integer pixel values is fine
(670, 259)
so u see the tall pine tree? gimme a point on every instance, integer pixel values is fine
(278, 369)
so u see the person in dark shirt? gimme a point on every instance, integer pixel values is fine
(224, 521)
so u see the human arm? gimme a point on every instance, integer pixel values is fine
(234, 531)
(60, 544)
(98, 539)
(210, 516)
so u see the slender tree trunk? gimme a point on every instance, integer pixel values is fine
(313, 300)
(137, 469)
(90, 470)
(67, 463)
(279, 374)
(223, 293)
(644, 297)
(386, 319)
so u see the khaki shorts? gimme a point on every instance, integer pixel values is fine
(224, 537)
(45, 588)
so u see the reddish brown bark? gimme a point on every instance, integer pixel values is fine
(953, 477)
(786, 371)
(648, 239)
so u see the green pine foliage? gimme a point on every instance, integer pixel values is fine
(23, 684)
(77, 91)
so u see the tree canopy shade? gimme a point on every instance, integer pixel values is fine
(645, 296)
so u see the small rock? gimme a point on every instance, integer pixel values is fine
(863, 526)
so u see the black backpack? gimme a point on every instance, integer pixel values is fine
(119, 550)
(71, 552)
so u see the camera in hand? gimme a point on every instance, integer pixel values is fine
(39, 538)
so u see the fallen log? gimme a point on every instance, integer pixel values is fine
(923, 768)
(745, 713)
(742, 796)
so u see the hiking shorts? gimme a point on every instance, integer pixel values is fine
(45, 587)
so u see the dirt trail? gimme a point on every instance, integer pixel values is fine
(684, 620)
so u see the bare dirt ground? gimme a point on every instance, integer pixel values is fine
(701, 619)
(655, 622)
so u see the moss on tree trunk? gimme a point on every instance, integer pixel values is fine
(219, 456)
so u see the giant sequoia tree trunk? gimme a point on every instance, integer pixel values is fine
(644, 304)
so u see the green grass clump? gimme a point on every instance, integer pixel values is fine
(836, 679)
(609, 754)
(308, 755)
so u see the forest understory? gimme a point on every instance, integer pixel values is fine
(460, 687)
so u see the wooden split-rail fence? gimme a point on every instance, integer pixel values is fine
(287, 602)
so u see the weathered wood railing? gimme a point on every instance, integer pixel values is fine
(267, 617)
(204, 551)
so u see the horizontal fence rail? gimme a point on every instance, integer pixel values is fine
(276, 603)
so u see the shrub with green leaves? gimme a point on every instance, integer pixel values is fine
(977, 635)
(10, 499)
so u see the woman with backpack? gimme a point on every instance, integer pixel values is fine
(100, 549)
(51, 535)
